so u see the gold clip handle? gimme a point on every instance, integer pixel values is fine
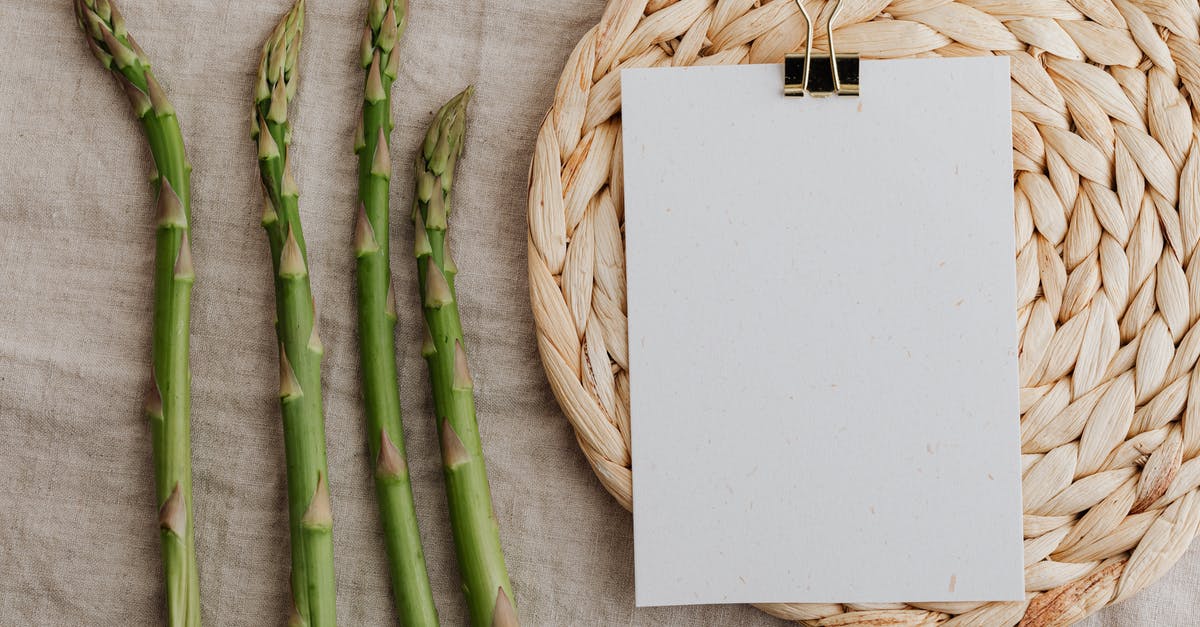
(834, 83)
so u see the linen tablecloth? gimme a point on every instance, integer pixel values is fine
(78, 530)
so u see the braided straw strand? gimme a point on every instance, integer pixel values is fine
(1106, 175)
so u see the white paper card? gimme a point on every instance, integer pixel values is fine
(822, 336)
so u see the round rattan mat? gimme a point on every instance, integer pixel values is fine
(1107, 219)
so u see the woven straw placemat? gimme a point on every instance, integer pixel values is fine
(1107, 218)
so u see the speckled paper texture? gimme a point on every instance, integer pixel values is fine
(822, 336)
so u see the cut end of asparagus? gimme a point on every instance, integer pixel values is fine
(504, 614)
(289, 386)
(437, 290)
(172, 516)
(391, 464)
(318, 515)
(291, 260)
(462, 374)
(170, 207)
(184, 271)
(454, 454)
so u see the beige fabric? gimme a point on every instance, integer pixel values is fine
(78, 540)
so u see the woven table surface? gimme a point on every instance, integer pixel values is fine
(1107, 221)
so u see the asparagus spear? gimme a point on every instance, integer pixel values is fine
(377, 318)
(168, 403)
(472, 520)
(300, 347)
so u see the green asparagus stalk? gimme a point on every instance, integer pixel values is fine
(472, 520)
(300, 349)
(377, 318)
(168, 403)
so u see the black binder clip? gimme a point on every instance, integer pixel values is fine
(831, 74)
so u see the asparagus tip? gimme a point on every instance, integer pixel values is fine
(454, 454)
(319, 515)
(172, 516)
(391, 464)
(504, 615)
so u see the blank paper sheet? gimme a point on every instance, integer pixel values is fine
(823, 357)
